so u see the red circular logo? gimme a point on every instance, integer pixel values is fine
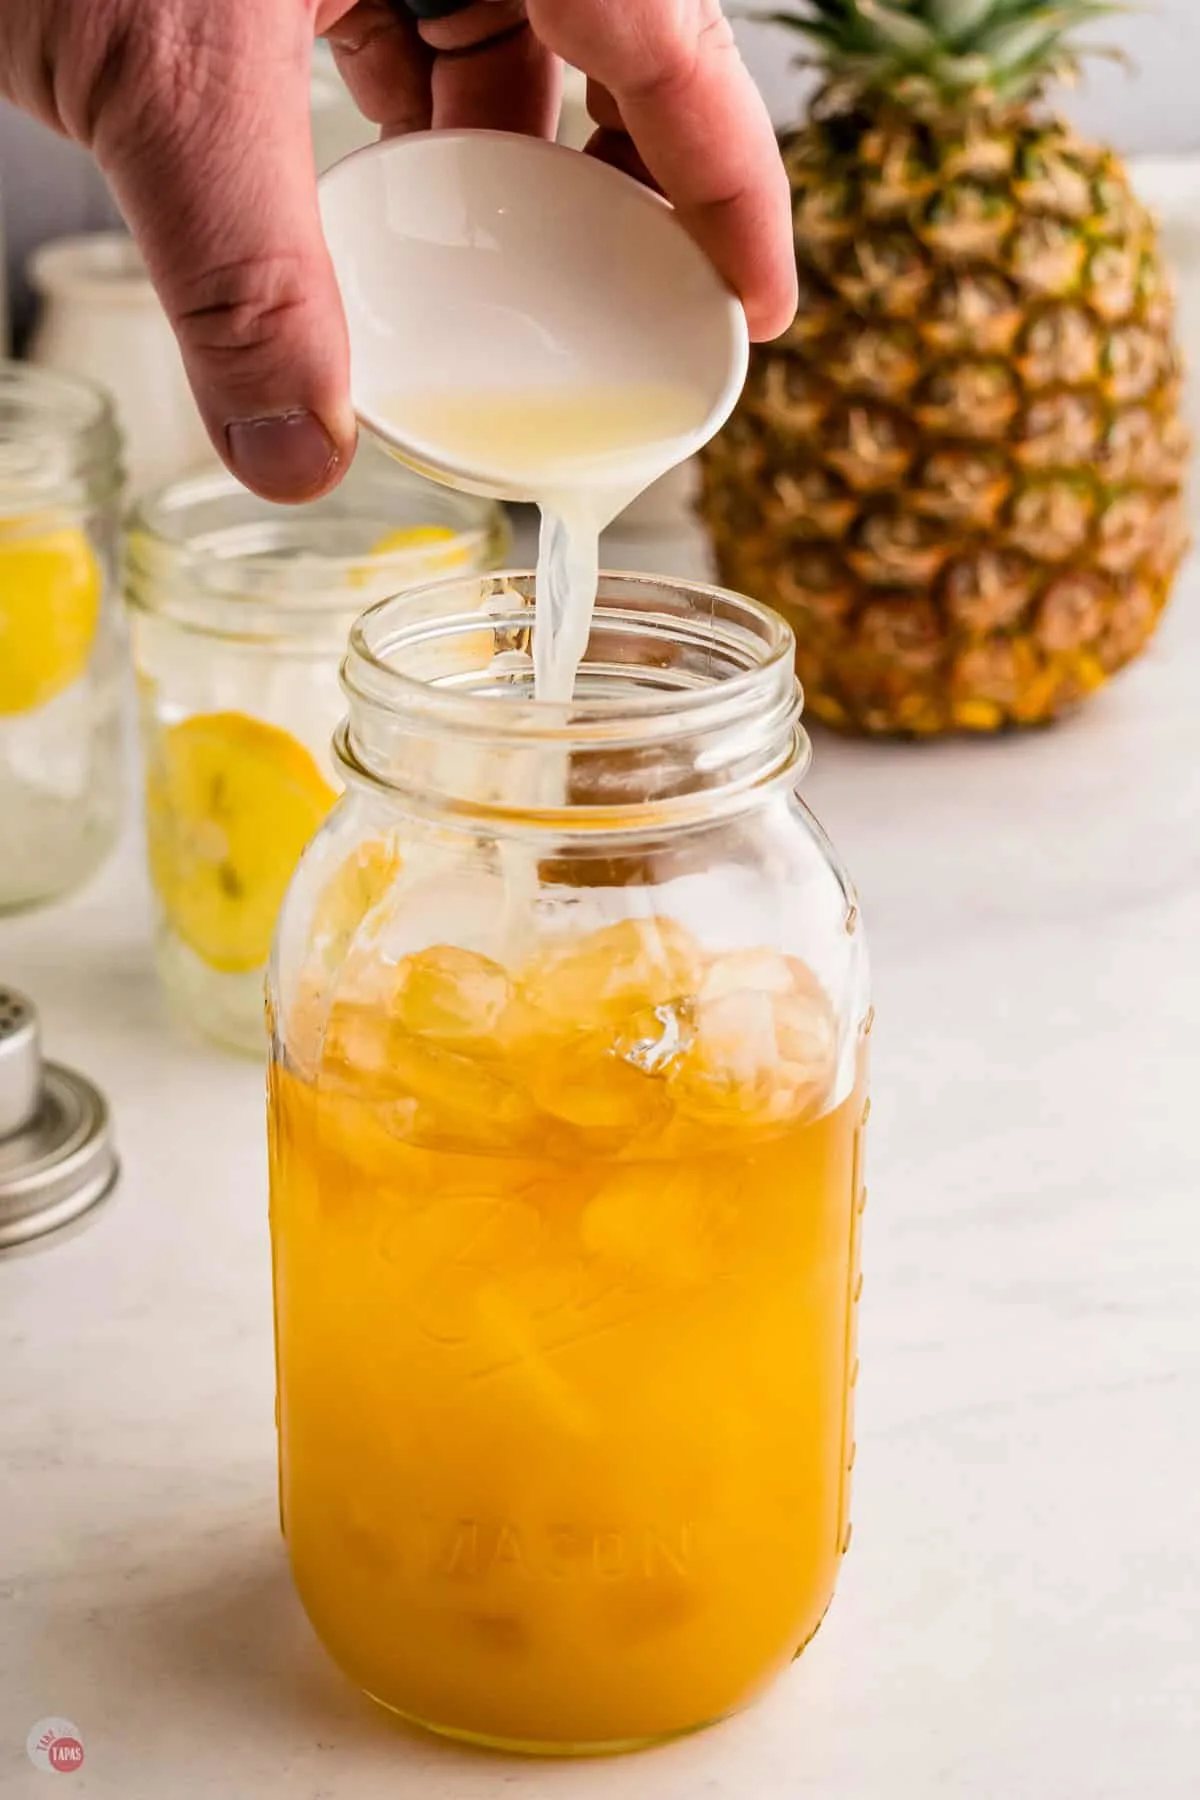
(66, 1753)
(55, 1746)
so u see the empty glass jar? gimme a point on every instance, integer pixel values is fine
(61, 642)
(566, 1107)
(240, 612)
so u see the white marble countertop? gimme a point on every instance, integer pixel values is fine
(1019, 1617)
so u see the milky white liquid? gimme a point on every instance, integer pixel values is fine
(582, 455)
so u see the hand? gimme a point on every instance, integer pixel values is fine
(667, 88)
(198, 113)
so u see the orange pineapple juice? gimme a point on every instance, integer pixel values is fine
(566, 1270)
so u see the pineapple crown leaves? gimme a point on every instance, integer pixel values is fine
(993, 50)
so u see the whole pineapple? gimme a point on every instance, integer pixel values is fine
(959, 475)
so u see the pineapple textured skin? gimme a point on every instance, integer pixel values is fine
(960, 474)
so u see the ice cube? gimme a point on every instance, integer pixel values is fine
(461, 1247)
(620, 969)
(601, 1096)
(360, 1160)
(425, 1093)
(447, 1101)
(765, 1046)
(356, 1044)
(754, 971)
(453, 997)
(510, 1351)
(661, 1223)
(654, 1039)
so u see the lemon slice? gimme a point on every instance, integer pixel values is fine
(50, 587)
(231, 803)
(445, 552)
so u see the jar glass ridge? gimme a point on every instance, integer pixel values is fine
(569, 1008)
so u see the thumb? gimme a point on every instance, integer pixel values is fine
(204, 135)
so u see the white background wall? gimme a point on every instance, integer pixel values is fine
(1156, 107)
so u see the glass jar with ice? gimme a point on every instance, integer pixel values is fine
(569, 1014)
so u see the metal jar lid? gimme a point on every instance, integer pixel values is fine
(57, 1157)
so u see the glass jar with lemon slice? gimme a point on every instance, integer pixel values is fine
(240, 612)
(61, 661)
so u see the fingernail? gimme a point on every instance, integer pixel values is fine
(288, 456)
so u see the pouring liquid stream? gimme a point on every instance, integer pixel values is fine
(582, 455)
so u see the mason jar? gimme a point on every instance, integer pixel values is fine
(567, 1093)
(240, 611)
(61, 641)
